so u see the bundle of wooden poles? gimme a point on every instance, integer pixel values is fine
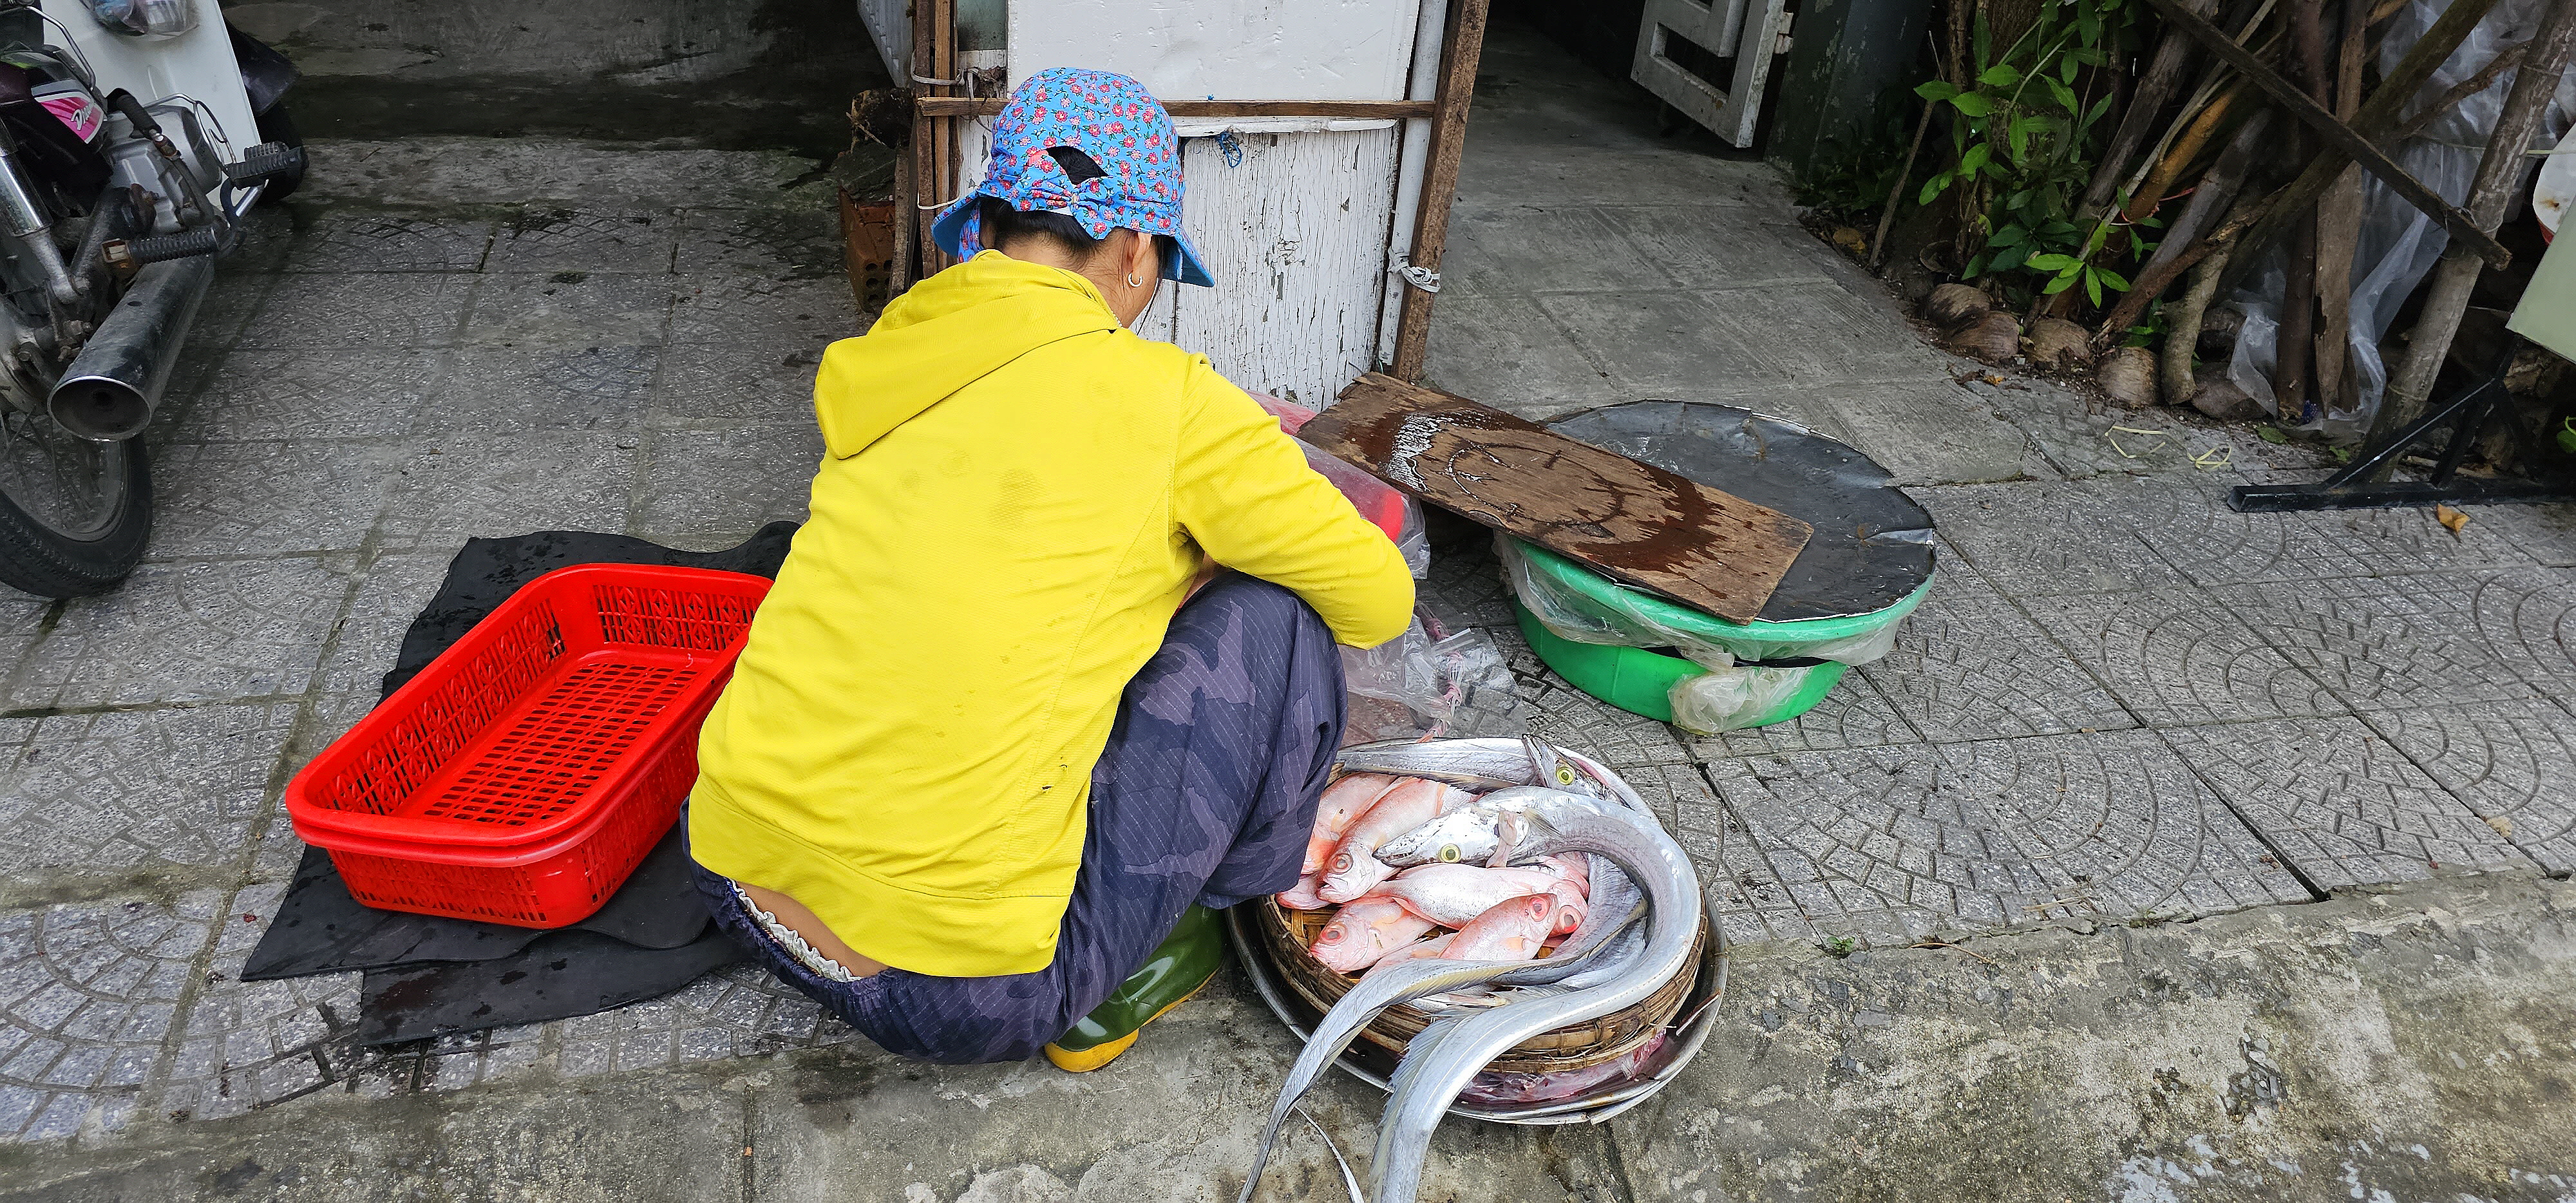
(2251, 124)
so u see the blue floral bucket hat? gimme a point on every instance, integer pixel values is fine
(1123, 148)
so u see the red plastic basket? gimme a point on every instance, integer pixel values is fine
(526, 771)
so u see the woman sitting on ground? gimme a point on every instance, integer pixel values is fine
(1002, 730)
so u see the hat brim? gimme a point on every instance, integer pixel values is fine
(1188, 268)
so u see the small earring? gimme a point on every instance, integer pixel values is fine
(1133, 282)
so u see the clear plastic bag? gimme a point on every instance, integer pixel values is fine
(139, 18)
(1457, 687)
(1733, 698)
(1622, 622)
(2399, 244)
(1395, 513)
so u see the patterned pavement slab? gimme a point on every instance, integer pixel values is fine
(2340, 803)
(1898, 844)
(88, 993)
(1970, 665)
(2512, 763)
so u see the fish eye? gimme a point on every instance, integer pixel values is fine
(1564, 775)
(1449, 853)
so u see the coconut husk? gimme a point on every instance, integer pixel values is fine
(2128, 376)
(1994, 338)
(1954, 305)
(2216, 396)
(2058, 343)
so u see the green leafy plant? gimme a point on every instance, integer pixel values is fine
(2022, 139)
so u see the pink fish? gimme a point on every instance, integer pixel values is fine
(1432, 947)
(1574, 888)
(1510, 931)
(1342, 805)
(1450, 895)
(1355, 868)
(1302, 896)
(1366, 929)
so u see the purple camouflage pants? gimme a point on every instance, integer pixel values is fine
(1205, 793)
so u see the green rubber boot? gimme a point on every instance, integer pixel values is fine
(1184, 963)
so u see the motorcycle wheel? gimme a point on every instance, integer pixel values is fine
(277, 125)
(74, 515)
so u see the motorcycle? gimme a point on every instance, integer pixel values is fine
(135, 136)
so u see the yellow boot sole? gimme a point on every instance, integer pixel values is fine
(1106, 1051)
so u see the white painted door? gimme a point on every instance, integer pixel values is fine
(1741, 34)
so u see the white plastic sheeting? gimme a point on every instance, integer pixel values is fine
(2399, 243)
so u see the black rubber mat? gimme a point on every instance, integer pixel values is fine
(428, 975)
(1872, 544)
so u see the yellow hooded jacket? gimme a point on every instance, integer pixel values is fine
(1016, 496)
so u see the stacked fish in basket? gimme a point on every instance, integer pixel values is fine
(1497, 928)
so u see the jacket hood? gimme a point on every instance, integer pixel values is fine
(947, 332)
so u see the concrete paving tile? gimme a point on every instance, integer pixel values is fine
(1533, 248)
(360, 240)
(741, 310)
(2513, 764)
(262, 393)
(229, 303)
(2038, 538)
(1507, 353)
(2546, 533)
(1576, 169)
(1872, 844)
(2385, 643)
(1714, 248)
(125, 796)
(1746, 897)
(771, 241)
(1465, 588)
(2191, 526)
(494, 484)
(727, 482)
(2082, 437)
(1856, 714)
(268, 498)
(736, 1011)
(91, 990)
(2178, 657)
(392, 589)
(1562, 714)
(569, 308)
(2342, 805)
(721, 384)
(495, 390)
(255, 1044)
(2125, 821)
(319, 312)
(1655, 344)
(2527, 618)
(551, 240)
(267, 234)
(1930, 433)
(1824, 333)
(1177, 1120)
(1968, 665)
(188, 633)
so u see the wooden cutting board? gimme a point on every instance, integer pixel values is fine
(1635, 522)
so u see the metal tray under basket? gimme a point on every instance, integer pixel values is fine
(1271, 942)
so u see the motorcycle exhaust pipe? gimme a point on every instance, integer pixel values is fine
(111, 387)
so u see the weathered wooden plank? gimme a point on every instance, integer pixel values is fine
(1638, 523)
(1361, 110)
(1466, 48)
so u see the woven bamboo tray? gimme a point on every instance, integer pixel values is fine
(1286, 934)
